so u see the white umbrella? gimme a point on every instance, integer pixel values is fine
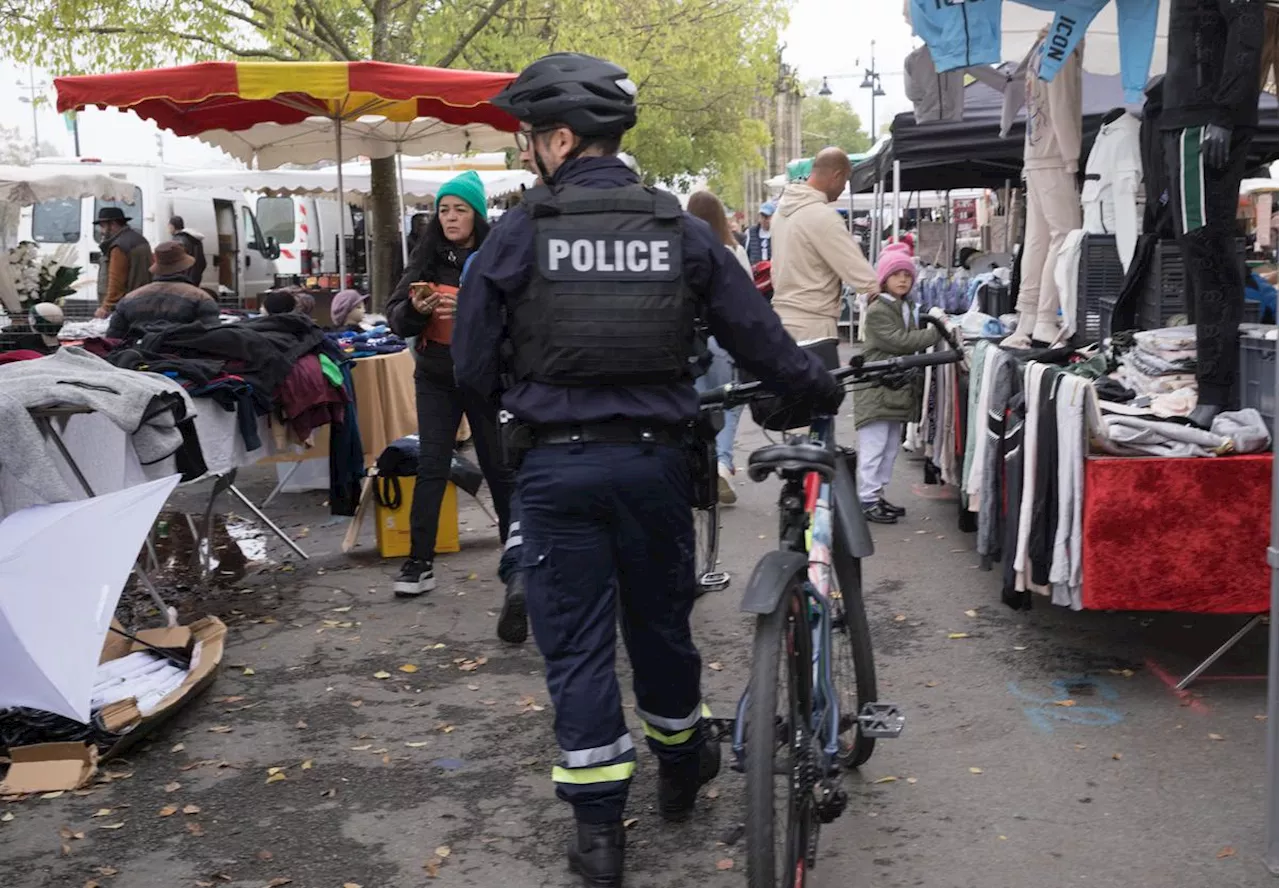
(54, 609)
(356, 181)
(1020, 29)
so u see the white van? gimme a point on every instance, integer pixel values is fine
(241, 259)
(306, 230)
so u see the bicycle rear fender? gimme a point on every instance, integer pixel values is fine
(769, 580)
(850, 528)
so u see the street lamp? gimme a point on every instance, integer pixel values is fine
(870, 80)
(34, 100)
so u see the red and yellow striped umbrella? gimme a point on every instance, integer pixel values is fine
(192, 99)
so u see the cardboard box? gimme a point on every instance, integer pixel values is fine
(48, 767)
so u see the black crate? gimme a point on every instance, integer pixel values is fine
(995, 299)
(1258, 378)
(1100, 277)
(1165, 292)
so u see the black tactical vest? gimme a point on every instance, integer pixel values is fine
(607, 303)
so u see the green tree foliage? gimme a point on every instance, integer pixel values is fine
(825, 121)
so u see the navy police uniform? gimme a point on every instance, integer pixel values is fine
(592, 288)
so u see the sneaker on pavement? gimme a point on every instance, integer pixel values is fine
(415, 578)
(728, 496)
(597, 852)
(878, 514)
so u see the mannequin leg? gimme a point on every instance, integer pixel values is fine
(1204, 203)
(1061, 207)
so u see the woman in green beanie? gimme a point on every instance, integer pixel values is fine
(422, 306)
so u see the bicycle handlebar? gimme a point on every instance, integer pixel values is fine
(857, 371)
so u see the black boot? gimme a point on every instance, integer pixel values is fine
(1202, 416)
(597, 852)
(513, 626)
(891, 508)
(878, 514)
(678, 787)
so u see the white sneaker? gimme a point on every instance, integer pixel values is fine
(725, 485)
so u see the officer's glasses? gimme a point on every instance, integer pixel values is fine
(524, 137)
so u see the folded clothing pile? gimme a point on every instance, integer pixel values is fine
(378, 341)
(1160, 362)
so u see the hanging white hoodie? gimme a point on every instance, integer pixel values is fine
(1113, 184)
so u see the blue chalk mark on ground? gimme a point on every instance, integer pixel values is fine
(1047, 710)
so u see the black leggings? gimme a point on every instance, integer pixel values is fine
(441, 405)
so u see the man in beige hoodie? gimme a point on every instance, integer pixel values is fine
(813, 251)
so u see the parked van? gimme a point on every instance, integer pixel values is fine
(241, 258)
(306, 229)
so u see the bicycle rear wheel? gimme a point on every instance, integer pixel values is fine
(853, 665)
(706, 528)
(781, 820)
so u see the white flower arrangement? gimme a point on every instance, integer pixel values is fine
(38, 278)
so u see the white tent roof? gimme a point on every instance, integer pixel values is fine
(357, 181)
(315, 139)
(28, 185)
(1020, 28)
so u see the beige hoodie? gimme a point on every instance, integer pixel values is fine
(812, 253)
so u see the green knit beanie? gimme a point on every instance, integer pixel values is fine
(469, 188)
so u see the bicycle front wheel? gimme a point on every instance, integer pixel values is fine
(853, 665)
(706, 528)
(781, 821)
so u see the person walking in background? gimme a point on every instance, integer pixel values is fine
(880, 412)
(723, 371)
(760, 236)
(124, 259)
(423, 306)
(193, 243)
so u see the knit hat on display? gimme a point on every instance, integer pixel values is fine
(894, 258)
(342, 305)
(469, 188)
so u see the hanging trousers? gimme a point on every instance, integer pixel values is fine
(1204, 203)
(1053, 209)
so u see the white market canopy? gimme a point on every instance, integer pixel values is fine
(314, 140)
(357, 181)
(28, 185)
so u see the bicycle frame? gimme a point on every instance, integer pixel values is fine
(807, 526)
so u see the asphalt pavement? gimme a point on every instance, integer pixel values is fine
(1042, 748)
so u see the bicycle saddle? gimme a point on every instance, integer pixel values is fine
(801, 456)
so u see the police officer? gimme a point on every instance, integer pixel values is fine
(600, 282)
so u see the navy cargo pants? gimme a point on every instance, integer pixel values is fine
(607, 526)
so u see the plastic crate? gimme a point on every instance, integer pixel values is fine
(1165, 292)
(1100, 277)
(995, 299)
(1252, 312)
(1258, 377)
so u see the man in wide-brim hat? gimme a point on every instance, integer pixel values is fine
(124, 261)
(170, 297)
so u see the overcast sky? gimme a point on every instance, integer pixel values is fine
(825, 37)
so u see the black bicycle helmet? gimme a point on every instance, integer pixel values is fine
(590, 96)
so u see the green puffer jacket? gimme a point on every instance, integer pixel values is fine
(889, 336)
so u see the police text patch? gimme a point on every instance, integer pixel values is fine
(609, 256)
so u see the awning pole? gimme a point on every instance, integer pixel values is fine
(1008, 216)
(404, 231)
(342, 214)
(897, 197)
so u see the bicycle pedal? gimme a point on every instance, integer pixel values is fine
(718, 729)
(714, 581)
(881, 720)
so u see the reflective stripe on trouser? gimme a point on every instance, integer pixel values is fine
(510, 561)
(671, 732)
(603, 526)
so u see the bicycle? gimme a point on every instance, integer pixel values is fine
(807, 598)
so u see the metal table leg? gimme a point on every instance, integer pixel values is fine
(1213, 658)
(288, 476)
(267, 521)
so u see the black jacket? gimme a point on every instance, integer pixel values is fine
(1215, 55)
(195, 249)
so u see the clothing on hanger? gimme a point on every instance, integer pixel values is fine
(934, 95)
(959, 35)
(1113, 184)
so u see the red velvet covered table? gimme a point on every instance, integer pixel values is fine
(1177, 534)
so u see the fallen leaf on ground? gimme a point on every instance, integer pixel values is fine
(432, 867)
(178, 747)
(886, 780)
(362, 748)
(248, 671)
(1064, 702)
(630, 822)
(277, 882)
(713, 793)
(277, 777)
(1227, 852)
(271, 772)
(301, 726)
(416, 744)
(975, 770)
(265, 855)
(66, 849)
(52, 795)
(911, 780)
(112, 826)
(725, 864)
(715, 667)
(307, 765)
(382, 674)
(448, 729)
(409, 668)
(930, 684)
(1216, 737)
(357, 703)
(1117, 755)
(220, 729)
(106, 870)
(102, 812)
(1019, 647)
(92, 884)
(195, 829)
(900, 618)
(1127, 673)
(67, 833)
(350, 885)
(167, 811)
(471, 687)
(191, 809)
(957, 635)
(1260, 718)
(438, 645)
(443, 851)
(6, 817)
(329, 793)
(971, 613)
(172, 787)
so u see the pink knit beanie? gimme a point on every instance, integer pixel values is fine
(893, 258)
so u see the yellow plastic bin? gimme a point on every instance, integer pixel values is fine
(393, 535)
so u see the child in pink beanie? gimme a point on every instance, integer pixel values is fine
(879, 412)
